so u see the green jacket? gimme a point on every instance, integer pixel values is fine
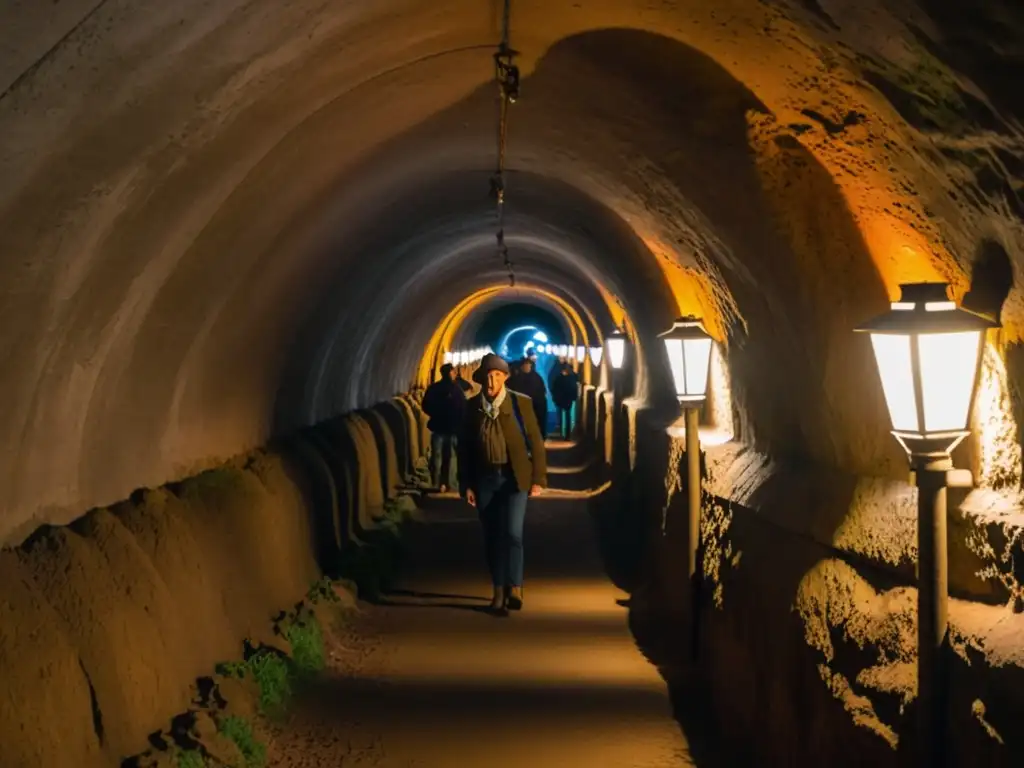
(527, 472)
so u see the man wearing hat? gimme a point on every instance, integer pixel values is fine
(445, 404)
(502, 463)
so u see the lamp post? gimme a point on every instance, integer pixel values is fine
(689, 353)
(928, 352)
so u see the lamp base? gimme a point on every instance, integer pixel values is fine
(924, 449)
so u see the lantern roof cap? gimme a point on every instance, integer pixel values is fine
(927, 308)
(686, 327)
(616, 333)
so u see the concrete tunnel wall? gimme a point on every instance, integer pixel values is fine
(184, 188)
(224, 222)
(180, 575)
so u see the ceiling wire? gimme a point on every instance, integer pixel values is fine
(507, 76)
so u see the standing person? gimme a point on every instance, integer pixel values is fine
(555, 372)
(445, 404)
(528, 382)
(502, 463)
(565, 393)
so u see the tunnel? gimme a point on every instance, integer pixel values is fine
(238, 244)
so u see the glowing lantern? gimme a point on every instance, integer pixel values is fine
(689, 352)
(448, 358)
(928, 353)
(581, 354)
(616, 343)
(596, 355)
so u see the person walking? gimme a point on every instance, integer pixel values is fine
(502, 463)
(528, 382)
(565, 391)
(445, 403)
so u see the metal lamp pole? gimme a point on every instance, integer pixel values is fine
(689, 353)
(929, 354)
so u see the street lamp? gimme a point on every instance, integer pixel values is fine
(616, 343)
(689, 353)
(928, 353)
(596, 354)
(581, 354)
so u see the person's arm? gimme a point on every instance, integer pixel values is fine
(427, 404)
(540, 458)
(464, 453)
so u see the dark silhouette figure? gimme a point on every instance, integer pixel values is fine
(565, 391)
(527, 381)
(445, 403)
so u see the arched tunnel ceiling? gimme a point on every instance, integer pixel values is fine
(213, 213)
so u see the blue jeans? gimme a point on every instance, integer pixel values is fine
(565, 421)
(442, 460)
(502, 508)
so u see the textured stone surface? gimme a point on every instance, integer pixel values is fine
(221, 217)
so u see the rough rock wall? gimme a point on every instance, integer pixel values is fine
(106, 623)
(220, 217)
(806, 620)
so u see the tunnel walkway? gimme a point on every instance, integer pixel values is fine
(434, 681)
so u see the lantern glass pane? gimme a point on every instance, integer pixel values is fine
(698, 358)
(581, 354)
(892, 353)
(596, 353)
(674, 347)
(616, 352)
(948, 365)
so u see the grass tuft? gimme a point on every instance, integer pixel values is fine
(307, 643)
(322, 590)
(240, 731)
(190, 758)
(270, 671)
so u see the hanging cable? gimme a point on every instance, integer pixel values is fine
(507, 76)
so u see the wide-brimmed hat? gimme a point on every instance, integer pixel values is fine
(489, 362)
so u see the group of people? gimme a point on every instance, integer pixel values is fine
(492, 448)
(563, 383)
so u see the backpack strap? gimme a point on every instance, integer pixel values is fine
(519, 421)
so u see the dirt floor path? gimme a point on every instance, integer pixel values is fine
(431, 680)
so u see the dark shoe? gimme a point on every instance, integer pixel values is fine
(499, 600)
(515, 599)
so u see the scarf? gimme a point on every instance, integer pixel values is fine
(492, 439)
(491, 410)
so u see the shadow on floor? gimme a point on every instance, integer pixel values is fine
(430, 595)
